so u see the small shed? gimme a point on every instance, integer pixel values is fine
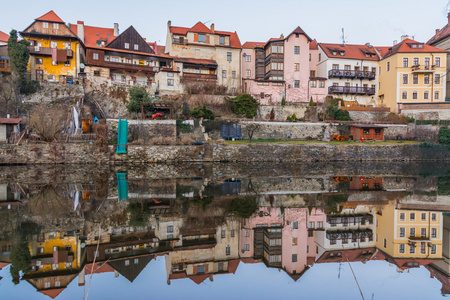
(367, 132)
(8, 126)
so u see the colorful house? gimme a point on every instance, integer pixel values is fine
(412, 72)
(55, 50)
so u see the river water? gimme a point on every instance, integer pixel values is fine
(225, 231)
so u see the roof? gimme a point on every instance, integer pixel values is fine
(406, 46)
(4, 37)
(178, 30)
(10, 120)
(298, 30)
(199, 278)
(200, 27)
(129, 51)
(234, 38)
(51, 16)
(52, 293)
(131, 270)
(350, 51)
(98, 268)
(195, 61)
(92, 34)
(382, 50)
(352, 255)
(313, 45)
(440, 34)
(252, 45)
(3, 264)
(366, 126)
(160, 49)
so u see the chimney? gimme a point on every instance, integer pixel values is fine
(212, 27)
(448, 18)
(395, 42)
(116, 29)
(281, 36)
(169, 23)
(437, 31)
(81, 280)
(405, 37)
(116, 274)
(80, 30)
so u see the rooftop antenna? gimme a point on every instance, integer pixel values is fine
(343, 37)
(446, 9)
(207, 22)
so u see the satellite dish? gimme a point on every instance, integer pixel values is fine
(81, 66)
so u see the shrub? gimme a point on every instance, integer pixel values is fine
(292, 118)
(426, 145)
(138, 95)
(333, 110)
(202, 112)
(342, 115)
(283, 101)
(311, 102)
(243, 207)
(244, 104)
(444, 135)
(182, 127)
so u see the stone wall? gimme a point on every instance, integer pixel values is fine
(368, 115)
(144, 129)
(302, 111)
(434, 114)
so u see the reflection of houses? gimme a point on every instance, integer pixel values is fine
(365, 183)
(351, 255)
(441, 269)
(416, 234)
(8, 197)
(54, 262)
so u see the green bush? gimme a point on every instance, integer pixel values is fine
(426, 145)
(283, 101)
(333, 110)
(311, 102)
(182, 127)
(292, 118)
(444, 135)
(202, 112)
(138, 95)
(342, 115)
(244, 104)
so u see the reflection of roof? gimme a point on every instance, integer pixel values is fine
(10, 120)
(130, 268)
(199, 278)
(250, 260)
(93, 34)
(3, 264)
(98, 268)
(51, 16)
(351, 255)
(406, 46)
(52, 293)
(408, 263)
(3, 37)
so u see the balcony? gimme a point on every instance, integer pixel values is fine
(423, 69)
(351, 74)
(180, 41)
(351, 90)
(198, 76)
(351, 219)
(47, 51)
(349, 234)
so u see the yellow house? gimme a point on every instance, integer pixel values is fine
(409, 234)
(412, 72)
(55, 50)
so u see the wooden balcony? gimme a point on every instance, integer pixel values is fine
(123, 66)
(46, 51)
(351, 74)
(180, 41)
(198, 76)
(351, 90)
(423, 69)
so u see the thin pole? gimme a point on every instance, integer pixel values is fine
(362, 296)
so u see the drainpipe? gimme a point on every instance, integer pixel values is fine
(432, 79)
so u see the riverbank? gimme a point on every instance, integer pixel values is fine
(219, 152)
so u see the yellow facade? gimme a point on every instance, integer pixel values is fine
(411, 78)
(409, 233)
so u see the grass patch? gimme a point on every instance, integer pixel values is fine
(275, 141)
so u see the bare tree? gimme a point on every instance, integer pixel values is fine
(47, 120)
(251, 129)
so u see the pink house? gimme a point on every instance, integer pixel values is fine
(281, 68)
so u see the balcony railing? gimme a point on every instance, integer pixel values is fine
(47, 51)
(180, 41)
(190, 76)
(423, 69)
(351, 74)
(349, 234)
(352, 90)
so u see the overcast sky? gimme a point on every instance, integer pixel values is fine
(378, 22)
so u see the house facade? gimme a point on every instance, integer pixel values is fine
(201, 42)
(412, 72)
(55, 50)
(351, 71)
(4, 58)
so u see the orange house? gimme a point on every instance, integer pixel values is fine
(367, 132)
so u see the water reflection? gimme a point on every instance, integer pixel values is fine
(205, 223)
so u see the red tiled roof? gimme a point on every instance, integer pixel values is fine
(104, 268)
(234, 38)
(200, 27)
(177, 275)
(133, 52)
(4, 37)
(10, 120)
(195, 61)
(350, 51)
(382, 50)
(92, 34)
(402, 263)
(199, 278)
(249, 260)
(310, 261)
(3, 264)
(178, 30)
(52, 293)
(233, 265)
(314, 45)
(440, 34)
(404, 47)
(160, 49)
(51, 16)
(351, 255)
(252, 45)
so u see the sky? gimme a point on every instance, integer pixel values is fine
(377, 280)
(378, 22)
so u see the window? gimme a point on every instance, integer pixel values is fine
(128, 61)
(233, 74)
(295, 225)
(248, 72)
(47, 284)
(126, 45)
(427, 63)
(426, 95)
(436, 95)
(55, 26)
(313, 83)
(311, 225)
(405, 62)
(248, 58)
(228, 56)
(53, 44)
(405, 78)
(433, 217)
(275, 258)
(275, 242)
(95, 56)
(296, 67)
(170, 236)
(136, 47)
(376, 185)
(437, 79)
(247, 247)
(384, 243)
(401, 248)
(222, 234)
(227, 250)
(296, 83)
(415, 79)
(170, 228)
(320, 56)
(296, 50)
(415, 61)
(170, 82)
(414, 95)
(45, 25)
(127, 262)
(345, 240)
(423, 232)
(321, 84)
(412, 249)
(201, 269)
(96, 253)
(388, 66)
(332, 241)
(423, 216)
(232, 232)
(96, 73)
(366, 131)
(422, 248)
(277, 49)
(247, 232)
(412, 216)
(412, 232)
(433, 233)
(222, 41)
(335, 67)
(319, 224)
(67, 63)
(294, 257)
(310, 57)
(39, 61)
(312, 73)
(277, 66)
(224, 74)
(437, 61)
(294, 241)
(426, 79)
(402, 231)
(433, 249)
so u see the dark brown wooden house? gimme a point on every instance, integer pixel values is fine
(367, 132)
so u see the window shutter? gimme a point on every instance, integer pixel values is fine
(206, 268)
(195, 37)
(207, 39)
(195, 269)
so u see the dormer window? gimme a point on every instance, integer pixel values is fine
(342, 53)
(373, 56)
(222, 40)
(55, 26)
(126, 46)
(201, 38)
(367, 55)
(334, 53)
